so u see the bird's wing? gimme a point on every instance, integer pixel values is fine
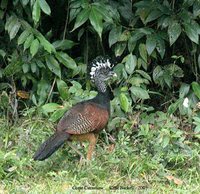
(84, 118)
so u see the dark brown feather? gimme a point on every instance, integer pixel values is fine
(84, 118)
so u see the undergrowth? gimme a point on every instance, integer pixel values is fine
(150, 159)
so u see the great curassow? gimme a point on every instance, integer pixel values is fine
(86, 119)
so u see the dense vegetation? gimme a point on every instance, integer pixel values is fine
(152, 140)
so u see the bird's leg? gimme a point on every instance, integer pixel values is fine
(87, 137)
(75, 149)
(92, 140)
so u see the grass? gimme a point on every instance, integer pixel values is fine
(132, 164)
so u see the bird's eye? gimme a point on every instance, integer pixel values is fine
(106, 71)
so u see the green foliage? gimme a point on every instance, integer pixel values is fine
(196, 89)
(45, 49)
(143, 34)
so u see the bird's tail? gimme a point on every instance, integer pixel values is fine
(50, 145)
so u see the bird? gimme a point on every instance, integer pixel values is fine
(85, 120)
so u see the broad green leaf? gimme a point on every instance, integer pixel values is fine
(81, 18)
(36, 11)
(191, 32)
(53, 65)
(76, 88)
(145, 31)
(14, 30)
(114, 14)
(34, 100)
(62, 88)
(43, 88)
(144, 74)
(165, 141)
(164, 21)
(76, 84)
(174, 106)
(157, 74)
(153, 15)
(168, 78)
(58, 114)
(161, 47)
(196, 120)
(196, 89)
(25, 67)
(184, 89)
(28, 41)
(131, 44)
(33, 67)
(34, 47)
(137, 35)
(63, 44)
(74, 12)
(13, 68)
(196, 26)
(118, 69)
(114, 35)
(66, 60)
(100, 7)
(2, 53)
(139, 92)
(196, 8)
(46, 44)
(124, 74)
(119, 48)
(96, 21)
(136, 81)
(174, 31)
(45, 7)
(125, 35)
(143, 52)
(139, 63)
(23, 36)
(150, 43)
(131, 62)
(40, 64)
(124, 103)
(124, 89)
(50, 107)
(10, 22)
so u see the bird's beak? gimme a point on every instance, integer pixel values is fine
(112, 74)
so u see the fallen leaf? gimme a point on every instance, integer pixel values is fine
(178, 181)
(174, 179)
(23, 94)
(111, 148)
(169, 177)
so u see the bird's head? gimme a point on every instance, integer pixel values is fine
(101, 68)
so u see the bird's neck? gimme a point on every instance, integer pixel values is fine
(103, 96)
(103, 99)
(101, 85)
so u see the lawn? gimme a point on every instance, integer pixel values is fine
(129, 163)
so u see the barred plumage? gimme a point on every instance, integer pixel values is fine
(83, 118)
